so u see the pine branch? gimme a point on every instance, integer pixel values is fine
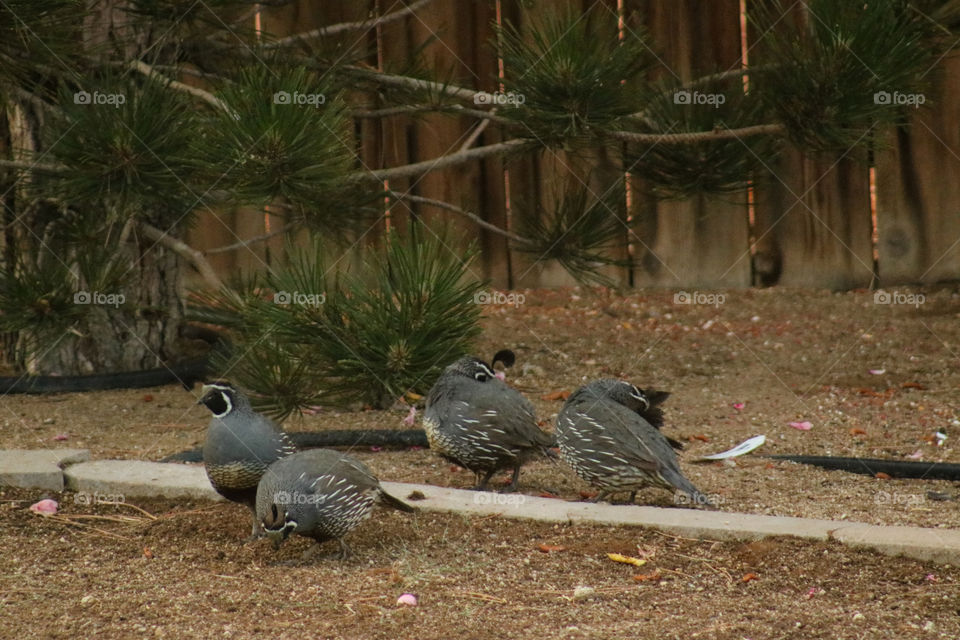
(695, 137)
(33, 166)
(415, 84)
(360, 25)
(250, 241)
(460, 157)
(197, 92)
(185, 251)
(440, 204)
(435, 108)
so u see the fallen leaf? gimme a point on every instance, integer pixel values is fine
(770, 465)
(644, 577)
(413, 397)
(698, 436)
(147, 397)
(738, 405)
(626, 325)
(749, 577)
(45, 507)
(586, 495)
(616, 557)
(61, 437)
(407, 599)
(147, 553)
(880, 475)
(857, 432)
(916, 455)
(802, 426)
(551, 548)
(556, 395)
(546, 494)
(877, 372)
(912, 385)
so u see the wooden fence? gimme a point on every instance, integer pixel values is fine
(810, 225)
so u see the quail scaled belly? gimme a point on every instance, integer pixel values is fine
(477, 421)
(604, 437)
(239, 447)
(320, 494)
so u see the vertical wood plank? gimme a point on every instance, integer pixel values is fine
(701, 241)
(918, 194)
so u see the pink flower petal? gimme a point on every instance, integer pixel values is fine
(61, 436)
(877, 372)
(414, 447)
(739, 405)
(46, 507)
(501, 375)
(803, 426)
(410, 417)
(930, 577)
(916, 455)
(407, 599)
(375, 448)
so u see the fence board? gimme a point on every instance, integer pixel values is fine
(703, 241)
(918, 194)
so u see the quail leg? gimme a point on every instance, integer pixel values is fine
(256, 532)
(600, 497)
(482, 486)
(513, 482)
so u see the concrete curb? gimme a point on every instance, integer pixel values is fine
(135, 478)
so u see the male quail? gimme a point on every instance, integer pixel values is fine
(320, 494)
(475, 420)
(240, 445)
(608, 442)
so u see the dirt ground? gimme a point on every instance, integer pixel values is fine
(875, 380)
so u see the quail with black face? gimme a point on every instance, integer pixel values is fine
(477, 421)
(239, 446)
(320, 494)
(603, 434)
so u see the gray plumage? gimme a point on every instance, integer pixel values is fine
(239, 446)
(320, 494)
(603, 436)
(477, 421)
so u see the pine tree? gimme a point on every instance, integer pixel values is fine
(125, 117)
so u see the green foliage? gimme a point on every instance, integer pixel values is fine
(125, 143)
(826, 61)
(573, 75)
(35, 37)
(578, 231)
(708, 166)
(300, 338)
(286, 135)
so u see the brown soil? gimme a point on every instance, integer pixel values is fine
(787, 355)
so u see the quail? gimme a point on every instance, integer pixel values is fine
(320, 494)
(609, 443)
(645, 402)
(475, 420)
(240, 445)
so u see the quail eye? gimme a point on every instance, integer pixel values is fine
(480, 376)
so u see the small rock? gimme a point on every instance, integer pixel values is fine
(582, 593)
(857, 617)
